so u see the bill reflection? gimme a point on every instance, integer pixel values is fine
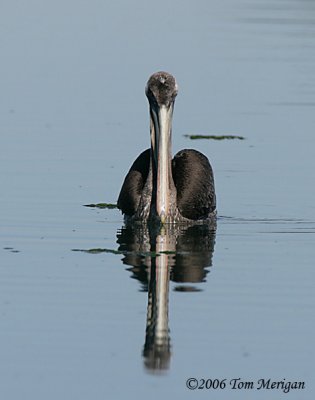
(156, 256)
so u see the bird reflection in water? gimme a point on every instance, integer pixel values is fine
(156, 256)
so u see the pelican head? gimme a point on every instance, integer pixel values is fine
(161, 91)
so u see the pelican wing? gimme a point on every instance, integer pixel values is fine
(134, 182)
(194, 182)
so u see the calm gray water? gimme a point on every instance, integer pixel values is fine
(110, 323)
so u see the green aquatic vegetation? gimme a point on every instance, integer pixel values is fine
(99, 250)
(109, 206)
(152, 254)
(11, 249)
(215, 137)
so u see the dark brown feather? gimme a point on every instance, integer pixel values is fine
(134, 182)
(193, 178)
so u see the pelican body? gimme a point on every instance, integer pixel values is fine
(159, 188)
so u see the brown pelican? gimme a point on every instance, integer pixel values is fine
(158, 188)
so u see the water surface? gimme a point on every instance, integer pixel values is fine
(151, 309)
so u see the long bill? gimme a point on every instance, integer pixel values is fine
(161, 128)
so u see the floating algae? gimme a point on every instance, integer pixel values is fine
(215, 137)
(109, 206)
